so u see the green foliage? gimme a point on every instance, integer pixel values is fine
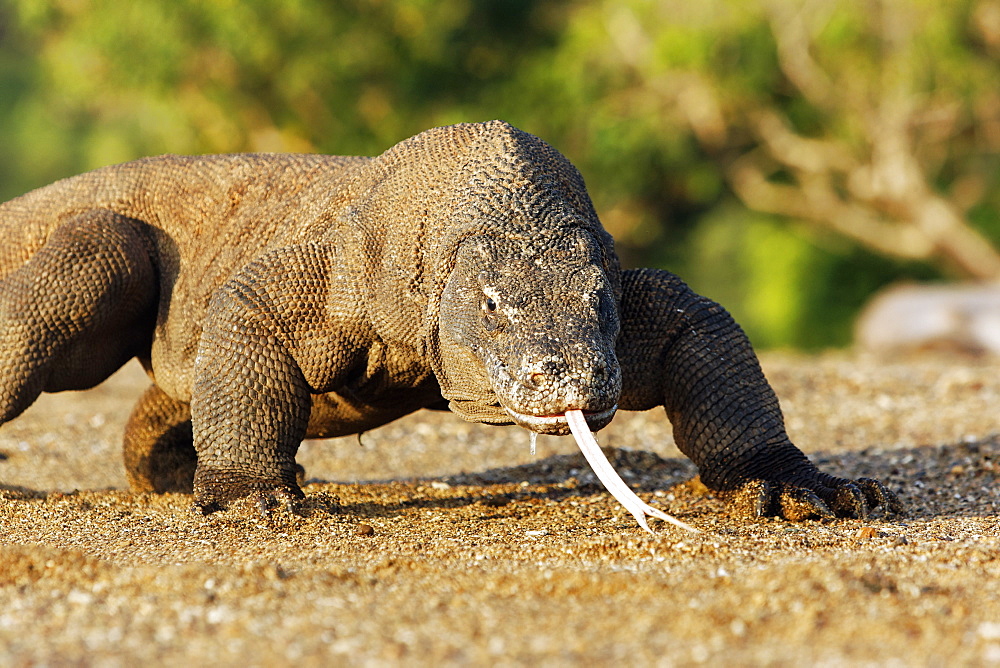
(784, 284)
(649, 98)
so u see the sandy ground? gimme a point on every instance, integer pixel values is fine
(432, 541)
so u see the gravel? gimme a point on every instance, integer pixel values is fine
(432, 541)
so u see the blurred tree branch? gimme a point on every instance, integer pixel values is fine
(874, 190)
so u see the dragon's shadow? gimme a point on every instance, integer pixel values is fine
(950, 480)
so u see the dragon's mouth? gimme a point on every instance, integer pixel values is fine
(549, 422)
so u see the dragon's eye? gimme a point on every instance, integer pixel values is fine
(489, 305)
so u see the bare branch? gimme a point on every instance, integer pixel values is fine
(794, 42)
(800, 153)
(819, 204)
(887, 205)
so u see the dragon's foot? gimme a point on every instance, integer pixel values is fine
(828, 497)
(216, 489)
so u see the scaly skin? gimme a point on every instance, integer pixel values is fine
(277, 297)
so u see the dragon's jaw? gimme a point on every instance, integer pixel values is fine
(558, 424)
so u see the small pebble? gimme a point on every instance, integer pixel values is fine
(364, 530)
(866, 533)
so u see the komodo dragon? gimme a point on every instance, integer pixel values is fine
(273, 298)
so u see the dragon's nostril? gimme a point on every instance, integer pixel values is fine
(537, 379)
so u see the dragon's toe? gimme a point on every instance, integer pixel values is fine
(279, 497)
(799, 503)
(849, 501)
(881, 496)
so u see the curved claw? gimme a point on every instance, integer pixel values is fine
(758, 494)
(799, 503)
(882, 496)
(275, 498)
(849, 501)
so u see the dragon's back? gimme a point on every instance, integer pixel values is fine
(193, 204)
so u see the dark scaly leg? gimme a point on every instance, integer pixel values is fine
(82, 306)
(250, 409)
(269, 342)
(686, 353)
(158, 447)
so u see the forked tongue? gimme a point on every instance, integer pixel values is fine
(609, 477)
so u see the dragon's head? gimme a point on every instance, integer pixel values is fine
(527, 331)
